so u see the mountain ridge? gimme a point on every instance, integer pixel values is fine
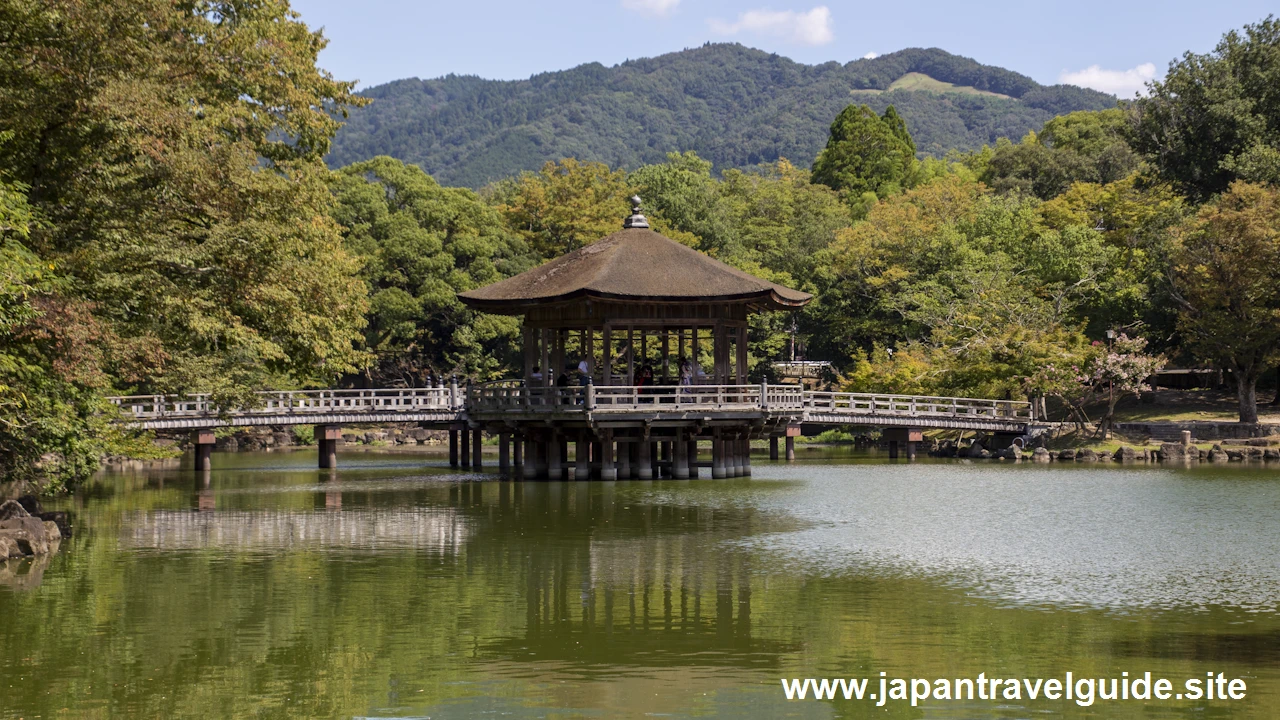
(734, 105)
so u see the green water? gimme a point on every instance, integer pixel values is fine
(397, 588)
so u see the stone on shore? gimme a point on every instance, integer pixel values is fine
(1087, 455)
(1067, 454)
(1125, 454)
(22, 534)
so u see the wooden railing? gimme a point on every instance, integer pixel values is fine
(514, 397)
(296, 402)
(506, 396)
(842, 403)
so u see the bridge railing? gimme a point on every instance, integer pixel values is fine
(295, 402)
(843, 403)
(512, 397)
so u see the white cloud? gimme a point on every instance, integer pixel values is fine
(805, 28)
(871, 55)
(651, 7)
(1120, 82)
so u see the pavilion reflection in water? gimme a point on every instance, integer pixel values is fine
(616, 579)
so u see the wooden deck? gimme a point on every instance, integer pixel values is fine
(511, 402)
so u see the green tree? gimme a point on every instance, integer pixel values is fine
(174, 154)
(1227, 280)
(565, 206)
(421, 244)
(1078, 147)
(866, 156)
(54, 424)
(1215, 118)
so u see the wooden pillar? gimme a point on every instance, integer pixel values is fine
(717, 457)
(680, 471)
(548, 376)
(733, 459)
(633, 450)
(582, 458)
(791, 449)
(631, 355)
(597, 452)
(746, 456)
(742, 355)
(666, 356)
(557, 357)
(911, 450)
(554, 470)
(477, 449)
(646, 459)
(773, 447)
(530, 350)
(693, 350)
(893, 449)
(504, 452)
(202, 442)
(541, 456)
(327, 444)
(606, 359)
(624, 460)
(693, 457)
(590, 350)
(466, 448)
(519, 448)
(453, 447)
(608, 471)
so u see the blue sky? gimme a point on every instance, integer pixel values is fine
(1112, 46)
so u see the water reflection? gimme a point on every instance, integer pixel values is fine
(271, 589)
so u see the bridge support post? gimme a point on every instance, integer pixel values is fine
(540, 456)
(645, 461)
(466, 448)
(582, 457)
(554, 447)
(692, 458)
(680, 459)
(202, 442)
(773, 448)
(327, 437)
(746, 456)
(453, 447)
(504, 453)
(899, 437)
(519, 448)
(624, 460)
(717, 457)
(791, 449)
(608, 471)
(665, 448)
(477, 450)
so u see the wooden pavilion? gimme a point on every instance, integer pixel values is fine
(633, 342)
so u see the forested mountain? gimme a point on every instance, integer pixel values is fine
(733, 105)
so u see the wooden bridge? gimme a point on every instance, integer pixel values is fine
(772, 411)
(508, 399)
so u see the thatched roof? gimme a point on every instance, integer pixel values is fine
(632, 265)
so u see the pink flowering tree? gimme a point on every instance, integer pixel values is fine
(1119, 371)
(1104, 373)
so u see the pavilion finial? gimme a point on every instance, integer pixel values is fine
(636, 220)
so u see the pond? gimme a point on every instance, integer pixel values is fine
(396, 587)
